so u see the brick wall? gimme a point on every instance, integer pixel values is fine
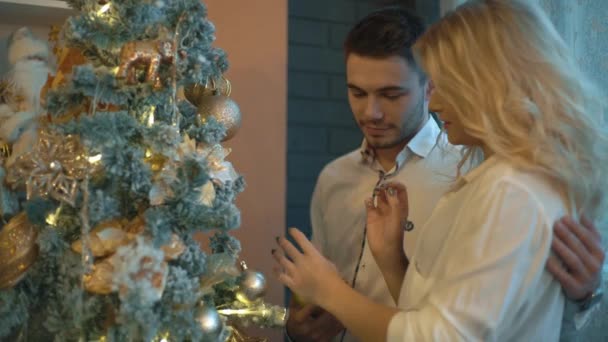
(320, 123)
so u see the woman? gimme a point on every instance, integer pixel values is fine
(507, 89)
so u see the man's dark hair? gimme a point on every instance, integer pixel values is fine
(390, 31)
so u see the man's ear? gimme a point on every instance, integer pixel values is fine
(429, 88)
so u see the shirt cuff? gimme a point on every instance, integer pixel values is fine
(574, 318)
(395, 327)
(581, 318)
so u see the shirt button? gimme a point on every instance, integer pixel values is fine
(362, 266)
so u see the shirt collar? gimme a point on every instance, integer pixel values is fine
(425, 140)
(421, 144)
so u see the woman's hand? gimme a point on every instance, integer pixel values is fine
(385, 223)
(306, 273)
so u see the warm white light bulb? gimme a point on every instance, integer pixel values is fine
(104, 8)
(94, 159)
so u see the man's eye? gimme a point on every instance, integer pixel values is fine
(393, 96)
(358, 95)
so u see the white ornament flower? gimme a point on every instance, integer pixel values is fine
(140, 268)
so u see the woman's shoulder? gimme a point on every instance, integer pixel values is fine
(533, 187)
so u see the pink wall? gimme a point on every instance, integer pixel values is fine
(254, 34)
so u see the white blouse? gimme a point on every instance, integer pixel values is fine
(478, 272)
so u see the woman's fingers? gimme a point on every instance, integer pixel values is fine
(286, 264)
(392, 198)
(284, 270)
(290, 250)
(398, 198)
(380, 200)
(286, 280)
(397, 186)
(302, 241)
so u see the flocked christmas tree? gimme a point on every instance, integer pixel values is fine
(105, 184)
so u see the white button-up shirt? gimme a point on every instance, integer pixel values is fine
(478, 270)
(338, 210)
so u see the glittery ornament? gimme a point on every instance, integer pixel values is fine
(104, 239)
(215, 156)
(252, 284)
(210, 322)
(99, 280)
(248, 308)
(135, 226)
(18, 250)
(147, 55)
(53, 38)
(5, 152)
(256, 313)
(68, 58)
(163, 179)
(219, 168)
(107, 238)
(53, 168)
(195, 93)
(155, 160)
(224, 110)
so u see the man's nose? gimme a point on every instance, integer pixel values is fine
(372, 109)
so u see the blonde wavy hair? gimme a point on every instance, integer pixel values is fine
(503, 69)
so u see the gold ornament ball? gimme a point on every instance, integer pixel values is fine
(18, 250)
(210, 322)
(224, 110)
(155, 160)
(196, 93)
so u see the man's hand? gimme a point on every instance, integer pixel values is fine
(311, 323)
(579, 257)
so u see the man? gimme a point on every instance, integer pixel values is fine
(388, 95)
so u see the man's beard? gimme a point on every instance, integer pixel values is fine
(407, 130)
(385, 144)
